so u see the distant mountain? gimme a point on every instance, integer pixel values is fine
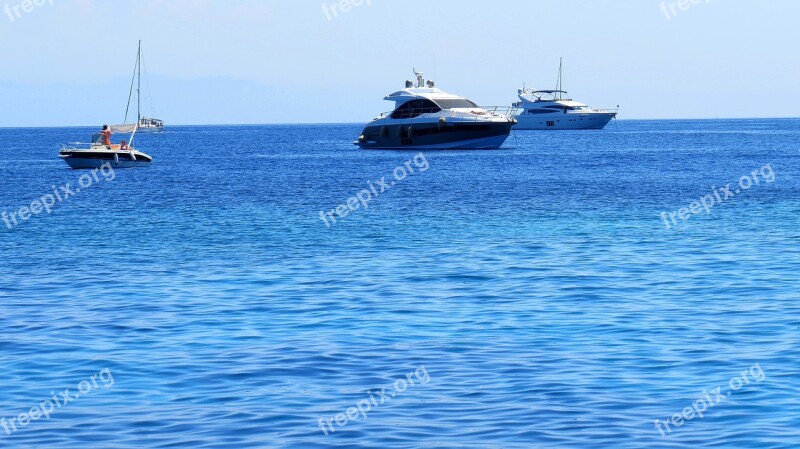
(197, 101)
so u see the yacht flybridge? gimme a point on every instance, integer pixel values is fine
(552, 109)
(427, 117)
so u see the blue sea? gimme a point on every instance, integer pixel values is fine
(276, 287)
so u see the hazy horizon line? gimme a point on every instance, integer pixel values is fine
(362, 123)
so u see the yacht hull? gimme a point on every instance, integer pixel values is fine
(560, 121)
(97, 159)
(435, 136)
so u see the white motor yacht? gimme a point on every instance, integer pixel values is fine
(427, 117)
(553, 110)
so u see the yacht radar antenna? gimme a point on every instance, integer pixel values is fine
(420, 78)
(560, 82)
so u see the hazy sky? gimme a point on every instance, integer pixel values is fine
(69, 62)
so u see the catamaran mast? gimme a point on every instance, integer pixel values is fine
(136, 79)
(139, 85)
(133, 81)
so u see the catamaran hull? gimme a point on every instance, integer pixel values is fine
(145, 130)
(89, 160)
(563, 121)
(474, 136)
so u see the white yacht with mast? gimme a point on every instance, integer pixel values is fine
(427, 117)
(553, 110)
(144, 124)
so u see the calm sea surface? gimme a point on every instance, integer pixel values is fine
(529, 297)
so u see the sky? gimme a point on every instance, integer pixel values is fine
(69, 62)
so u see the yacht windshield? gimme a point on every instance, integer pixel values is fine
(415, 108)
(461, 103)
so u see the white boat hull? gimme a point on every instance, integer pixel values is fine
(561, 121)
(146, 130)
(81, 163)
(97, 158)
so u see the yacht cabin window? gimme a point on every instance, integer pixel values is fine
(459, 103)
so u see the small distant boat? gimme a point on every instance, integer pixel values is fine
(150, 125)
(145, 124)
(427, 117)
(553, 110)
(94, 154)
